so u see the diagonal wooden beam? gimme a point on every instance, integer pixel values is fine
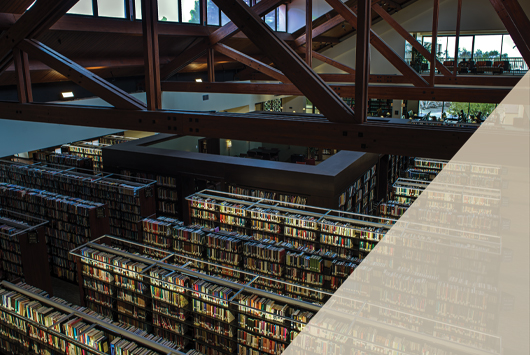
(81, 76)
(261, 9)
(251, 62)
(333, 63)
(326, 26)
(380, 45)
(519, 18)
(196, 50)
(40, 17)
(518, 38)
(200, 46)
(286, 59)
(24, 91)
(408, 37)
(151, 54)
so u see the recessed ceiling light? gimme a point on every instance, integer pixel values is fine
(67, 95)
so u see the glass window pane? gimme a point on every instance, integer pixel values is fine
(509, 49)
(83, 7)
(191, 11)
(427, 43)
(465, 44)
(451, 42)
(111, 8)
(487, 47)
(138, 9)
(224, 19)
(212, 13)
(247, 2)
(168, 10)
(442, 51)
(281, 21)
(270, 19)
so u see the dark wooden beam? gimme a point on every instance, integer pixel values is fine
(211, 65)
(408, 37)
(261, 9)
(333, 63)
(326, 39)
(309, 32)
(434, 44)
(387, 52)
(286, 59)
(151, 54)
(518, 37)
(251, 62)
(457, 35)
(469, 80)
(24, 91)
(79, 75)
(399, 92)
(362, 60)
(133, 28)
(391, 136)
(40, 17)
(196, 50)
(519, 18)
(325, 27)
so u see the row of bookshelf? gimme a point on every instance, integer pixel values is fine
(359, 196)
(190, 306)
(128, 201)
(33, 322)
(271, 195)
(408, 293)
(86, 220)
(314, 229)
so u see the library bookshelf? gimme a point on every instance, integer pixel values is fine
(128, 200)
(23, 251)
(63, 159)
(462, 173)
(360, 196)
(93, 151)
(72, 222)
(282, 197)
(178, 291)
(214, 315)
(167, 192)
(342, 234)
(33, 323)
(470, 207)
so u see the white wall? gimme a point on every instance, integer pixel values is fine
(477, 16)
(18, 137)
(296, 13)
(216, 102)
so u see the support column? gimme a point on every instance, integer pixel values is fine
(309, 32)
(362, 65)
(151, 54)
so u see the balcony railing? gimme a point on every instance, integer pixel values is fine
(512, 66)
